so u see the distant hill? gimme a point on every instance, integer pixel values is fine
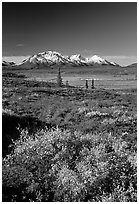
(132, 65)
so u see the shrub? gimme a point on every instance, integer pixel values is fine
(70, 166)
(10, 128)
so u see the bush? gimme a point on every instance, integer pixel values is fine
(70, 166)
(10, 128)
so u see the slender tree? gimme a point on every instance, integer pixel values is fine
(59, 78)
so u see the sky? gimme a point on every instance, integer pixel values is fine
(108, 29)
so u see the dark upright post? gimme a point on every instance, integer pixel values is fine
(86, 84)
(67, 84)
(93, 84)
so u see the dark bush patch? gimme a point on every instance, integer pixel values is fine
(10, 131)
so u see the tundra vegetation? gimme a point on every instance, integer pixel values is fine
(68, 144)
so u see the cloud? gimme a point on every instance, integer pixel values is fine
(16, 59)
(20, 45)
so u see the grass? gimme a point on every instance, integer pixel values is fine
(68, 144)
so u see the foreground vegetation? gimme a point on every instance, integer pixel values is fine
(63, 166)
(68, 144)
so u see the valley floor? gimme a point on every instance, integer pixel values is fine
(72, 144)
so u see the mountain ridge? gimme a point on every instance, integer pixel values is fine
(6, 63)
(51, 58)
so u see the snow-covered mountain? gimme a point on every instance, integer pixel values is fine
(45, 58)
(97, 60)
(51, 58)
(5, 63)
(77, 59)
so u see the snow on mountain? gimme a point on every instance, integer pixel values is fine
(97, 60)
(45, 58)
(77, 59)
(5, 63)
(50, 58)
(114, 64)
(53, 57)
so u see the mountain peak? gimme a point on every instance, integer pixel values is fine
(50, 58)
(97, 60)
(75, 56)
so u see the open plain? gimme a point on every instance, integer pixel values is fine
(69, 143)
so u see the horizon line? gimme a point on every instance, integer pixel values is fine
(113, 58)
